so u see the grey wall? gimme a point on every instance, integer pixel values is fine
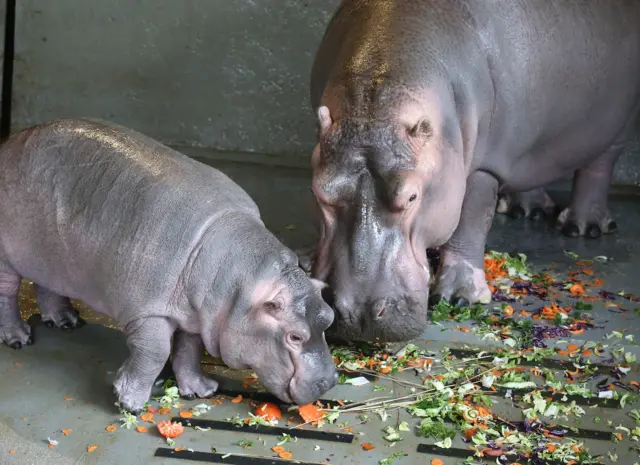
(229, 75)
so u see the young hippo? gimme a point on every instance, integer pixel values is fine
(164, 245)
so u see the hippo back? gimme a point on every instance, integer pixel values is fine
(94, 211)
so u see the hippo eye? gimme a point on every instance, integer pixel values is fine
(295, 339)
(413, 197)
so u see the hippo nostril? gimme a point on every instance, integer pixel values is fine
(381, 306)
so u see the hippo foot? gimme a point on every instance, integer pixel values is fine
(534, 204)
(305, 257)
(131, 395)
(16, 335)
(67, 319)
(591, 225)
(461, 284)
(196, 385)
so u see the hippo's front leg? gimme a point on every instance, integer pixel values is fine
(149, 341)
(461, 278)
(192, 382)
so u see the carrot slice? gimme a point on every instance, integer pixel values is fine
(508, 310)
(170, 430)
(164, 411)
(551, 447)
(91, 448)
(285, 455)
(147, 417)
(186, 414)
(237, 400)
(179, 448)
(141, 429)
(277, 449)
(385, 370)
(572, 347)
(576, 289)
(310, 413)
(367, 446)
(66, 432)
(268, 411)
(437, 462)
(111, 428)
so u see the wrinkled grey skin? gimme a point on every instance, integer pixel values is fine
(427, 109)
(164, 245)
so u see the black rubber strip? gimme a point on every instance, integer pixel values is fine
(214, 457)
(557, 397)
(464, 453)
(451, 452)
(579, 433)
(545, 362)
(7, 68)
(317, 435)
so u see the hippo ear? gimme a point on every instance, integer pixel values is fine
(324, 120)
(319, 285)
(421, 132)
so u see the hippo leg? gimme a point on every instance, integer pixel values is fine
(192, 382)
(56, 310)
(534, 204)
(588, 215)
(306, 257)
(14, 331)
(461, 278)
(149, 341)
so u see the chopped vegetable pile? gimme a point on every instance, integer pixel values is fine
(539, 357)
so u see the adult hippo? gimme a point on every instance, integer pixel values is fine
(427, 109)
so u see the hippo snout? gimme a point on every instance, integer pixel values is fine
(306, 392)
(389, 306)
(385, 319)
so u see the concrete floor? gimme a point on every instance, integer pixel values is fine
(63, 381)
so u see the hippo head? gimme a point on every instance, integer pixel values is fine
(387, 189)
(278, 332)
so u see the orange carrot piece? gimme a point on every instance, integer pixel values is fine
(310, 413)
(66, 432)
(111, 428)
(367, 446)
(91, 448)
(141, 429)
(277, 449)
(576, 289)
(237, 400)
(285, 455)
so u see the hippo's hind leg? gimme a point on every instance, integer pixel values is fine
(587, 214)
(192, 382)
(57, 310)
(534, 204)
(461, 278)
(14, 331)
